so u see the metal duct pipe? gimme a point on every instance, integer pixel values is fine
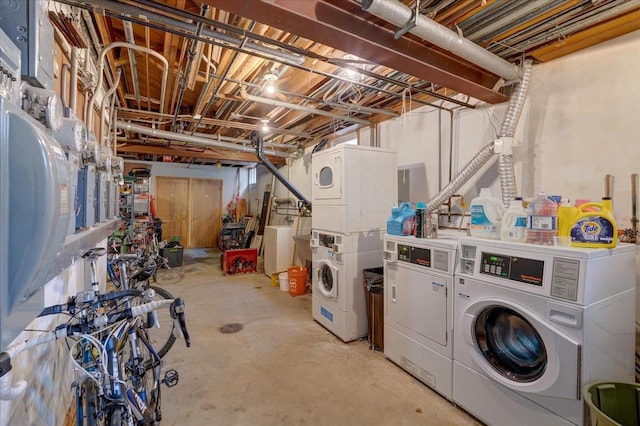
(191, 55)
(243, 141)
(309, 110)
(429, 30)
(103, 107)
(257, 141)
(103, 53)
(181, 137)
(73, 90)
(507, 177)
(512, 116)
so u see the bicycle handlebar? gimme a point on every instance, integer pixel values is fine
(9, 390)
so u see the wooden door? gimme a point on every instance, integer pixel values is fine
(206, 212)
(172, 206)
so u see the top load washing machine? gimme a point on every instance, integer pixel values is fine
(418, 307)
(534, 324)
(354, 188)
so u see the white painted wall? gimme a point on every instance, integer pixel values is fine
(47, 368)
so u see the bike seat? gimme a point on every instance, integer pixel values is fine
(95, 253)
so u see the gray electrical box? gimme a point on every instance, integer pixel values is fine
(86, 215)
(74, 168)
(27, 24)
(102, 196)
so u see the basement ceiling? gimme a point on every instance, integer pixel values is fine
(333, 67)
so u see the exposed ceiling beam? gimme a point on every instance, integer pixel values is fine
(190, 153)
(342, 25)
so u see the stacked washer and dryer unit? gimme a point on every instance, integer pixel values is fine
(534, 324)
(354, 188)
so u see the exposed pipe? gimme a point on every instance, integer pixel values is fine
(130, 37)
(63, 84)
(126, 9)
(427, 29)
(257, 141)
(73, 90)
(273, 102)
(243, 141)
(103, 107)
(512, 116)
(507, 180)
(103, 53)
(181, 137)
(212, 98)
(191, 55)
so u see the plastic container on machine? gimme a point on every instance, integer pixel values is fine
(422, 221)
(589, 225)
(514, 223)
(542, 220)
(402, 220)
(486, 215)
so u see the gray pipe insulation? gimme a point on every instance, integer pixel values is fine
(505, 162)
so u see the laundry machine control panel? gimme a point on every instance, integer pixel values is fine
(529, 271)
(416, 255)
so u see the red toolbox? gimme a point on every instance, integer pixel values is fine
(239, 261)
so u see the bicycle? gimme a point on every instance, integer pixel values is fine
(135, 271)
(119, 370)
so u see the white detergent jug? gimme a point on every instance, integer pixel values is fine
(514, 223)
(486, 214)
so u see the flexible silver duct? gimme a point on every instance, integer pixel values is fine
(505, 166)
(506, 171)
(398, 14)
(181, 137)
(469, 170)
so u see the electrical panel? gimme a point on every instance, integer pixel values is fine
(27, 24)
(9, 70)
(102, 197)
(74, 169)
(86, 216)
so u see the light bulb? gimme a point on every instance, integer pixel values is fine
(265, 128)
(271, 89)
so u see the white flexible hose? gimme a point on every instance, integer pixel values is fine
(506, 171)
(505, 162)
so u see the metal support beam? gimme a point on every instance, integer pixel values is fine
(343, 25)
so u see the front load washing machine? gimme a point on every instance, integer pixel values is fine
(338, 301)
(534, 324)
(418, 308)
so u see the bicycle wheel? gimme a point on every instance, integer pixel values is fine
(87, 404)
(145, 377)
(161, 335)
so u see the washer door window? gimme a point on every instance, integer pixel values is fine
(510, 344)
(328, 280)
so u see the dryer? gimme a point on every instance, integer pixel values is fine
(338, 301)
(533, 324)
(418, 308)
(354, 188)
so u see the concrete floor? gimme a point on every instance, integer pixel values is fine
(283, 368)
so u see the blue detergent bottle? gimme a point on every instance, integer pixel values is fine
(402, 220)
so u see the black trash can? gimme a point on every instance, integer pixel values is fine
(373, 284)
